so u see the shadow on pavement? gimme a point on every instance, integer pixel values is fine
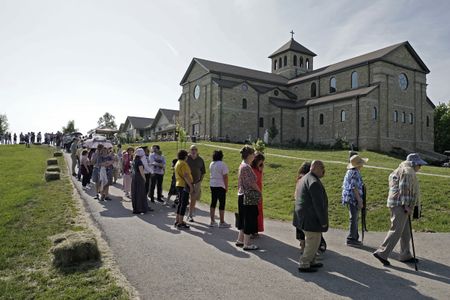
(341, 274)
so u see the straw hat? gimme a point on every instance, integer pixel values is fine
(356, 161)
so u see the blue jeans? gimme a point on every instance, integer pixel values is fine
(353, 228)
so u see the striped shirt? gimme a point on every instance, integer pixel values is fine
(403, 186)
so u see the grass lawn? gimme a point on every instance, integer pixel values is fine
(31, 210)
(279, 185)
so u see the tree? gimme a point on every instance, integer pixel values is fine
(107, 121)
(442, 127)
(273, 132)
(70, 128)
(3, 124)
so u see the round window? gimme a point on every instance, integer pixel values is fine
(403, 81)
(244, 87)
(197, 92)
(276, 93)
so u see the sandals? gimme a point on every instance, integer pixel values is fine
(250, 247)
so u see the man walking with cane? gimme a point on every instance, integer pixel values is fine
(403, 196)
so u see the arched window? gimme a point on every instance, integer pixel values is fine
(244, 103)
(300, 63)
(295, 60)
(307, 64)
(279, 63)
(342, 115)
(321, 119)
(261, 122)
(403, 117)
(411, 118)
(374, 113)
(395, 116)
(428, 121)
(285, 60)
(332, 85)
(313, 90)
(275, 64)
(302, 122)
(354, 80)
(273, 121)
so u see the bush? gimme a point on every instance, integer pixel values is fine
(73, 248)
(49, 176)
(341, 144)
(52, 161)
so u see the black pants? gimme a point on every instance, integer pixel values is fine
(183, 202)
(248, 217)
(218, 193)
(156, 180)
(86, 179)
(147, 182)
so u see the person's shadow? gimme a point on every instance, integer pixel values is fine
(341, 274)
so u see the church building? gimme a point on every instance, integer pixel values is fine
(376, 101)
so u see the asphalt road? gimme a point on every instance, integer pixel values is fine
(202, 263)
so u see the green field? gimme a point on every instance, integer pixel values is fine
(279, 185)
(31, 211)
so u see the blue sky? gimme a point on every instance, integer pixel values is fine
(63, 60)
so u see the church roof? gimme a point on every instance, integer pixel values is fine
(226, 69)
(362, 59)
(259, 88)
(293, 45)
(289, 104)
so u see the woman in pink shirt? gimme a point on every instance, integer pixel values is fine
(126, 167)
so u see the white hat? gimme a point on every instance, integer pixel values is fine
(139, 152)
(356, 161)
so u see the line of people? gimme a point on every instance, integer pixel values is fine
(143, 170)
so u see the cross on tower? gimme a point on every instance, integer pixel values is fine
(292, 34)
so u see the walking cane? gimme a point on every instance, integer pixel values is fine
(412, 242)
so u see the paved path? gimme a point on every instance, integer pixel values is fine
(203, 263)
(325, 161)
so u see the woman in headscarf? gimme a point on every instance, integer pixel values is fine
(138, 194)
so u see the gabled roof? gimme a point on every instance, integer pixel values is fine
(168, 113)
(226, 69)
(294, 46)
(140, 122)
(358, 60)
(431, 103)
(290, 104)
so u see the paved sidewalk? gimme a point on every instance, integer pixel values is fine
(203, 263)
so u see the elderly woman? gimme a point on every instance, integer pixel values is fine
(138, 193)
(249, 195)
(352, 194)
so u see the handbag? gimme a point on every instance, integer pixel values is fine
(251, 197)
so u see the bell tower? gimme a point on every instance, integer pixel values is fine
(292, 59)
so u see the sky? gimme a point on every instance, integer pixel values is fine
(67, 60)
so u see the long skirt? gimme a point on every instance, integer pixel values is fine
(138, 195)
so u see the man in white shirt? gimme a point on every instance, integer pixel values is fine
(157, 165)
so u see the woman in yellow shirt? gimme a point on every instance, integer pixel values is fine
(183, 177)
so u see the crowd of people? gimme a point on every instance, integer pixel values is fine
(31, 137)
(143, 170)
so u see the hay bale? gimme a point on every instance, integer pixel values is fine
(53, 169)
(49, 176)
(57, 154)
(73, 248)
(52, 161)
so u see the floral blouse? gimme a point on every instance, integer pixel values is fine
(246, 178)
(352, 180)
